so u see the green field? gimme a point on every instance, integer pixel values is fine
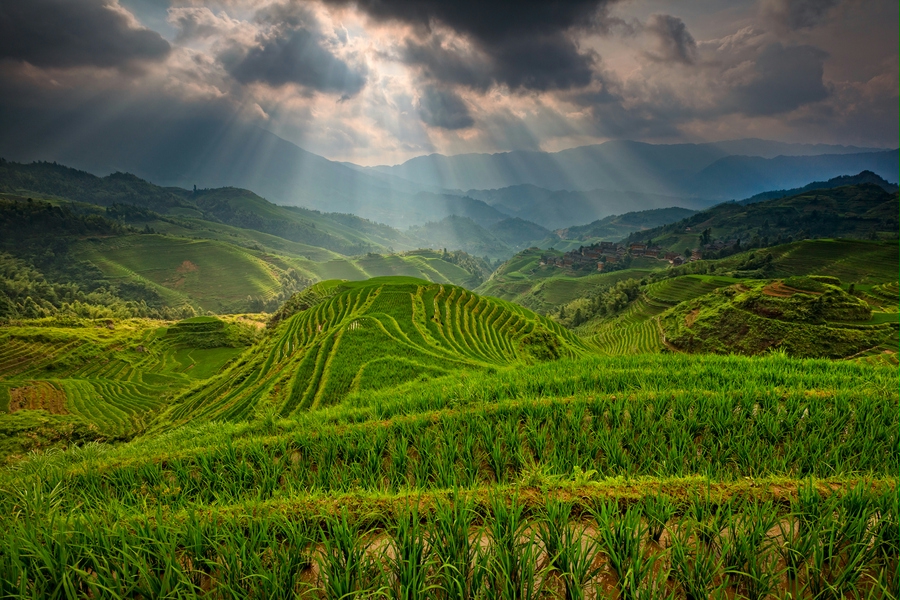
(112, 376)
(724, 429)
(643, 470)
(852, 261)
(211, 274)
(358, 336)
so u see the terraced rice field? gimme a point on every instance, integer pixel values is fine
(888, 294)
(851, 261)
(678, 289)
(204, 273)
(113, 379)
(339, 346)
(667, 476)
(633, 332)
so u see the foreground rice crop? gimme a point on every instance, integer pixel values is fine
(635, 477)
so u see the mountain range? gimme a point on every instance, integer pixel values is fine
(554, 189)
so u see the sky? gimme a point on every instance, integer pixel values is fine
(381, 81)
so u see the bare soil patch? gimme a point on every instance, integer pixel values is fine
(691, 317)
(779, 290)
(42, 396)
(187, 267)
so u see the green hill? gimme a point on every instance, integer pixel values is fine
(616, 227)
(345, 234)
(800, 315)
(856, 211)
(357, 336)
(519, 233)
(619, 316)
(524, 280)
(841, 181)
(91, 265)
(462, 233)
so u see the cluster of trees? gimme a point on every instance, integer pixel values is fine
(602, 302)
(480, 268)
(25, 293)
(291, 283)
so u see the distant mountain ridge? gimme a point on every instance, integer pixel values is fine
(741, 176)
(857, 211)
(616, 227)
(863, 177)
(344, 234)
(618, 176)
(672, 169)
(564, 208)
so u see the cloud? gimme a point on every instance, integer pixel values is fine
(296, 56)
(538, 63)
(76, 33)
(786, 78)
(796, 14)
(199, 23)
(444, 108)
(674, 42)
(290, 48)
(527, 45)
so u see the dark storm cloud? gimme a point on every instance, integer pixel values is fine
(674, 41)
(486, 20)
(540, 62)
(787, 78)
(444, 108)
(292, 49)
(75, 33)
(523, 44)
(797, 14)
(294, 56)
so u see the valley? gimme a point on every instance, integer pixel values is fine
(204, 394)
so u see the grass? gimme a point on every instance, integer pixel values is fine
(111, 375)
(338, 345)
(210, 274)
(401, 438)
(541, 288)
(554, 478)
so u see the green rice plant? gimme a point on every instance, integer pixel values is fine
(453, 547)
(695, 566)
(841, 545)
(397, 469)
(748, 560)
(411, 556)
(794, 547)
(708, 519)
(264, 559)
(619, 537)
(570, 551)
(511, 570)
(346, 568)
(886, 539)
(493, 448)
(657, 509)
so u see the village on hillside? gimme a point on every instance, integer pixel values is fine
(610, 256)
